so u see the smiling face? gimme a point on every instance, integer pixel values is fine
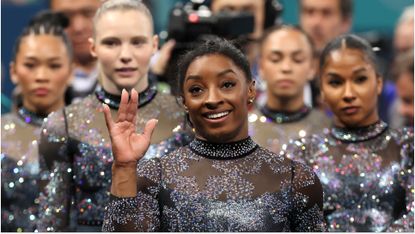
(124, 49)
(216, 94)
(43, 70)
(286, 63)
(350, 86)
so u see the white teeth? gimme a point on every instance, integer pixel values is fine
(218, 115)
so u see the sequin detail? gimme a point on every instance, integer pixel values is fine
(257, 192)
(285, 117)
(30, 117)
(368, 183)
(359, 134)
(113, 101)
(80, 159)
(19, 174)
(223, 151)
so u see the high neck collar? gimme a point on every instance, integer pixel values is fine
(285, 117)
(113, 101)
(360, 133)
(30, 117)
(223, 151)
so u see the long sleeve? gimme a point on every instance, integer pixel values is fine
(307, 200)
(140, 213)
(56, 180)
(406, 178)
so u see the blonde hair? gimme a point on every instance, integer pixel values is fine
(123, 5)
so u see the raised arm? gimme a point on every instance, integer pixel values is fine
(129, 209)
(128, 147)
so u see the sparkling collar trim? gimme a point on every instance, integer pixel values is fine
(223, 151)
(113, 101)
(30, 117)
(359, 134)
(285, 117)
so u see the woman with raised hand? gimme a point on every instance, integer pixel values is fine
(222, 180)
(75, 143)
(365, 167)
(41, 67)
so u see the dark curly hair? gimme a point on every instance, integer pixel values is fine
(213, 45)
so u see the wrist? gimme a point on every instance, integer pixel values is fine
(124, 179)
(124, 165)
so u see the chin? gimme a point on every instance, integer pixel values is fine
(352, 122)
(220, 136)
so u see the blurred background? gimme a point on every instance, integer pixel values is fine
(374, 19)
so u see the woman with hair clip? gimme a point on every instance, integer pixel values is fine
(286, 65)
(222, 180)
(41, 67)
(75, 143)
(365, 167)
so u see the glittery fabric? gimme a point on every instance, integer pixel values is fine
(19, 171)
(367, 178)
(197, 189)
(80, 159)
(270, 134)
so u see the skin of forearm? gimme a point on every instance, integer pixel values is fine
(124, 180)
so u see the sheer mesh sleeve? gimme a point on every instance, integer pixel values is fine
(56, 172)
(406, 177)
(140, 213)
(307, 199)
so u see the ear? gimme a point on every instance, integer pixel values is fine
(379, 81)
(92, 47)
(155, 43)
(180, 99)
(251, 91)
(13, 75)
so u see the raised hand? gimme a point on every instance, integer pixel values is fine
(127, 145)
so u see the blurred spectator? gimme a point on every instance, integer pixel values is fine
(80, 14)
(265, 12)
(400, 113)
(323, 20)
(404, 31)
(404, 75)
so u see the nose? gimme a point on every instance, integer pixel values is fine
(213, 99)
(42, 75)
(349, 95)
(78, 23)
(125, 54)
(286, 65)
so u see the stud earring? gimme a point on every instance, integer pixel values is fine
(251, 100)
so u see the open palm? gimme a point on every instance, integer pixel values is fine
(127, 145)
